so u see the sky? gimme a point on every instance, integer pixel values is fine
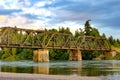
(40, 14)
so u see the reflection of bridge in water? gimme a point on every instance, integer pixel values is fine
(83, 68)
(46, 68)
(43, 69)
(62, 69)
(44, 40)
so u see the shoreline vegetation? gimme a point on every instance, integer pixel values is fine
(23, 76)
(13, 54)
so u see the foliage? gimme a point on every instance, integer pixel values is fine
(89, 31)
(117, 56)
(25, 54)
(87, 28)
(94, 32)
(9, 54)
(114, 42)
(109, 58)
(1, 53)
(59, 54)
(103, 35)
(64, 30)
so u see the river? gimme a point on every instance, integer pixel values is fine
(99, 68)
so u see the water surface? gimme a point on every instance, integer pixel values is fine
(99, 68)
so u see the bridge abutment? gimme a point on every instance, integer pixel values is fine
(75, 55)
(41, 55)
(110, 54)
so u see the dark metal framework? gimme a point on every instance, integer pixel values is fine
(43, 39)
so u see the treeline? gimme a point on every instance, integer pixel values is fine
(27, 54)
(114, 42)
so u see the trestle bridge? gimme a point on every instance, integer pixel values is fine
(42, 40)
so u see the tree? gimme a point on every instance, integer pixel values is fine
(94, 32)
(77, 33)
(111, 40)
(87, 28)
(9, 54)
(64, 30)
(59, 54)
(103, 35)
(1, 53)
(89, 31)
(25, 54)
(53, 30)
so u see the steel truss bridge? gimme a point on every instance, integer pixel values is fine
(42, 39)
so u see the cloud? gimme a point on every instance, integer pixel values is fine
(14, 21)
(50, 13)
(31, 16)
(43, 3)
(36, 11)
(72, 25)
(104, 13)
(9, 11)
(9, 4)
(24, 3)
(2, 19)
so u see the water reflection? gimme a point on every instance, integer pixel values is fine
(62, 67)
(79, 68)
(43, 69)
(0, 68)
(16, 69)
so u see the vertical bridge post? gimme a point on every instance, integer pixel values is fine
(41, 55)
(75, 55)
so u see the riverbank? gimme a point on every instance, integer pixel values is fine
(23, 76)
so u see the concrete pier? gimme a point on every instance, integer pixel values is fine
(75, 55)
(41, 55)
(111, 53)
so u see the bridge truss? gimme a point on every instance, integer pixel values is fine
(43, 39)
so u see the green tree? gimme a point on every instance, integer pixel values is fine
(87, 28)
(9, 54)
(64, 30)
(111, 40)
(79, 32)
(53, 30)
(59, 54)
(89, 31)
(94, 32)
(103, 35)
(1, 53)
(25, 54)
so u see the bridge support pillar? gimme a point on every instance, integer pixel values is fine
(75, 55)
(110, 54)
(41, 55)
